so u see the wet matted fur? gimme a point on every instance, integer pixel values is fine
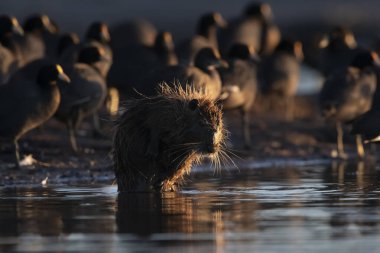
(158, 139)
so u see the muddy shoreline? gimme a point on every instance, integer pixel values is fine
(306, 140)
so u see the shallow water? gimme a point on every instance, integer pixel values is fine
(333, 208)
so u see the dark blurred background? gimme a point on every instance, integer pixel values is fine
(179, 17)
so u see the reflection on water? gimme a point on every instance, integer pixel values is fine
(311, 209)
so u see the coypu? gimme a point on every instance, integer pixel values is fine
(26, 104)
(157, 139)
(347, 93)
(206, 36)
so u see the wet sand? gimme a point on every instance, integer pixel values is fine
(276, 142)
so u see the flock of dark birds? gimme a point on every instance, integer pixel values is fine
(45, 73)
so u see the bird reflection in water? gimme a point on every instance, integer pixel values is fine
(354, 183)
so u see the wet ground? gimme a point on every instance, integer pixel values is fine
(307, 139)
(326, 208)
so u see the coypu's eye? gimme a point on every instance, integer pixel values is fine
(193, 104)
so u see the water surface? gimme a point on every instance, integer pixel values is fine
(334, 208)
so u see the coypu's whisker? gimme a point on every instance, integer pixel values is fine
(227, 153)
(230, 152)
(181, 148)
(224, 156)
(212, 160)
(220, 162)
(223, 159)
(189, 143)
(179, 152)
(217, 167)
(183, 154)
(227, 158)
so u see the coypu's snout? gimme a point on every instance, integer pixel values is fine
(211, 144)
(212, 148)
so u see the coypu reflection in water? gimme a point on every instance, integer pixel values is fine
(27, 104)
(280, 73)
(202, 76)
(347, 93)
(206, 36)
(157, 139)
(240, 84)
(147, 214)
(144, 214)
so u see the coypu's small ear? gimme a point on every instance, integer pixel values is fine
(193, 104)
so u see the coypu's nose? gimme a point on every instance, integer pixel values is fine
(212, 145)
(212, 148)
